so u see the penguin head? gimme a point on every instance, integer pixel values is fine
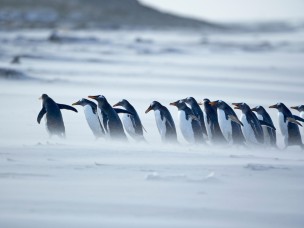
(218, 104)
(179, 104)
(299, 108)
(44, 97)
(279, 106)
(242, 106)
(206, 100)
(258, 109)
(189, 100)
(122, 103)
(99, 98)
(82, 102)
(155, 105)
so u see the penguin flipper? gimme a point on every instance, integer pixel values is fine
(41, 114)
(292, 120)
(235, 119)
(298, 118)
(119, 110)
(262, 122)
(193, 117)
(67, 107)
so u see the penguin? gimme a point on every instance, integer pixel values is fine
(91, 115)
(164, 122)
(251, 127)
(229, 123)
(111, 121)
(54, 121)
(299, 108)
(132, 123)
(289, 126)
(189, 124)
(211, 122)
(270, 137)
(197, 111)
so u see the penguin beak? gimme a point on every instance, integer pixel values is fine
(40, 98)
(254, 109)
(76, 103)
(173, 103)
(237, 105)
(273, 106)
(213, 103)
(200, 103)
(93, 97)
(117, 104)
(294, 107)
(149, 109)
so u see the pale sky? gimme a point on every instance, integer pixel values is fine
(233, 10)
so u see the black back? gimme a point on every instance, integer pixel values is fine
(197, 111)
(196, 124)
(212, 120)
(111, 120)
(54, 120)
(170, 136)
(237, 134)
(266, 117)
(134, 117)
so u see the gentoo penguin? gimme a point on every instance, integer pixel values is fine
(289, 126)
(90, 111)
(111, 120)
(211, 122)
(251, 128)
(164, 122)
(270, 137)
(299, 108)
(54, 121)
(229, 123)
(132, 123)
(197, 111)
(189, 124)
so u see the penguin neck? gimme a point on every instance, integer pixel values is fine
(104, 106)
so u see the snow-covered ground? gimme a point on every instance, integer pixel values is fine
(81, 182)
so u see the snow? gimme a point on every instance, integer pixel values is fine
(83, 182)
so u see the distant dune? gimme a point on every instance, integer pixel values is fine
(81, 14)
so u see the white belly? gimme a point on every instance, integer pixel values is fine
(208, 126)
(248, 131)
(260, 117)
(101, 121)
(225, 125)
(283, 125)
(266, 135)
(161, 124)
(186, 127)
(127, 123)
(92, 120)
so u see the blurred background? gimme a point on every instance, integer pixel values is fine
(144, 13)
